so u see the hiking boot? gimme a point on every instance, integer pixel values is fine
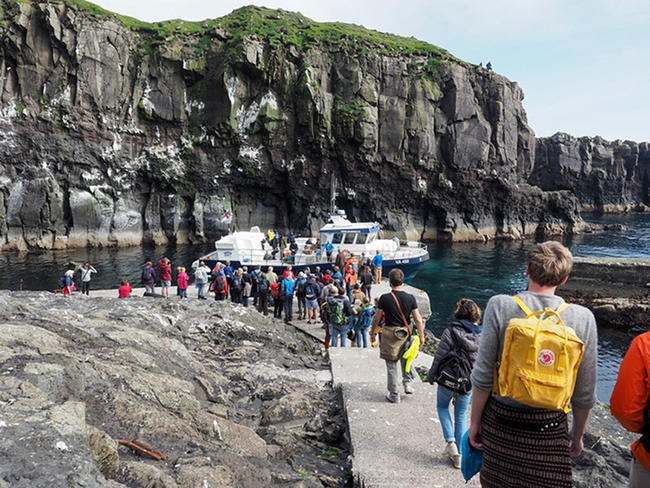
(451, 450)
(456, 459)
(392, 398)
(408, 388)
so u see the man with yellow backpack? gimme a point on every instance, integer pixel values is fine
(537, 356)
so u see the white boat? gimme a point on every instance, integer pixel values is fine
(250, 248)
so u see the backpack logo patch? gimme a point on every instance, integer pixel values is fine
(546, 357)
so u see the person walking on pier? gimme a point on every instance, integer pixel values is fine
(630, 404)
(287, 290)
(366, 282)
(377, 262)
(396, 306)
(261, 287)
(459, 342)
(86, 271)
(524, 445)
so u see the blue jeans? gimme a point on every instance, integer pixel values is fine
(362, 335)
(461, 404)
(336, 332)
(200, 289)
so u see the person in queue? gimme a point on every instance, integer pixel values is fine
(524, 446)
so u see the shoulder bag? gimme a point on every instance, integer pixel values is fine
(394, 339)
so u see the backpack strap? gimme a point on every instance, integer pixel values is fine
(563, 306)
(402, 313)
(532, 353)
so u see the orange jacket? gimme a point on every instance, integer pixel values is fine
(631, 392)
(349, 265)
(351, 279)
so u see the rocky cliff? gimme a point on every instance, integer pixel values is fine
(115, 132)
(605, 176)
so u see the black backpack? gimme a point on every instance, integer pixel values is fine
(455, 369)
(146, 275)
(261, 283)
(237, 284)
(219, 283)
(310, 294)
(301, 286)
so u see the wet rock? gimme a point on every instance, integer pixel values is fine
(605, 461)
(614, 289)
(76, 379)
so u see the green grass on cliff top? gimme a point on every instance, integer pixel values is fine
(275, 26)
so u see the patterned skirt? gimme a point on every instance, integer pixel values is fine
(524, 448)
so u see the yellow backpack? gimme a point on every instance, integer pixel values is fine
(540, 360)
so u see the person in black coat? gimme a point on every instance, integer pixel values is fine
(461, 337)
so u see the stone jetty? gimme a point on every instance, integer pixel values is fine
(615, 289)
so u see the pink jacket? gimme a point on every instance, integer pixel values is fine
(183, 280)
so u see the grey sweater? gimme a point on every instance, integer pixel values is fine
(501, 308)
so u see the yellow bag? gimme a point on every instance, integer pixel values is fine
(540, 360)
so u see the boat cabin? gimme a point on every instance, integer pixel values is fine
(340, 231)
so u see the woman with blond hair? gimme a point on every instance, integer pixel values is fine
(460, 338)
(183, 281)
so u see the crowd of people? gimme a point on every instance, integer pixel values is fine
(531, 441)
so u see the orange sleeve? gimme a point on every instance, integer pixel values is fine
(630, 394)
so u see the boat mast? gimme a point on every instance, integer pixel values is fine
(333, 195)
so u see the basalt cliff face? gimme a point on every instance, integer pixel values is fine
(605, 176)
(115, 132)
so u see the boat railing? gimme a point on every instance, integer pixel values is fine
(253, 256)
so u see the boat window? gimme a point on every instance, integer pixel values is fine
(337, 238)
(361, 238)
(371, 237)
(349, 239)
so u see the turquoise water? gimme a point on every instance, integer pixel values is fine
(478, 271)
(475, 271)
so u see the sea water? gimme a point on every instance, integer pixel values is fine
(455, 271)
(478, 271)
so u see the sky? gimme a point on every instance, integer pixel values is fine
(584, 65)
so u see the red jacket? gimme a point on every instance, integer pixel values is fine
(165, 271)
(225, 285)
(124, 291)
(631, 392)
(275, 290)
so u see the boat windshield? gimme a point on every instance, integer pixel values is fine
(348, 238)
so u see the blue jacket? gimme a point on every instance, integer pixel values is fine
(288, 286)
